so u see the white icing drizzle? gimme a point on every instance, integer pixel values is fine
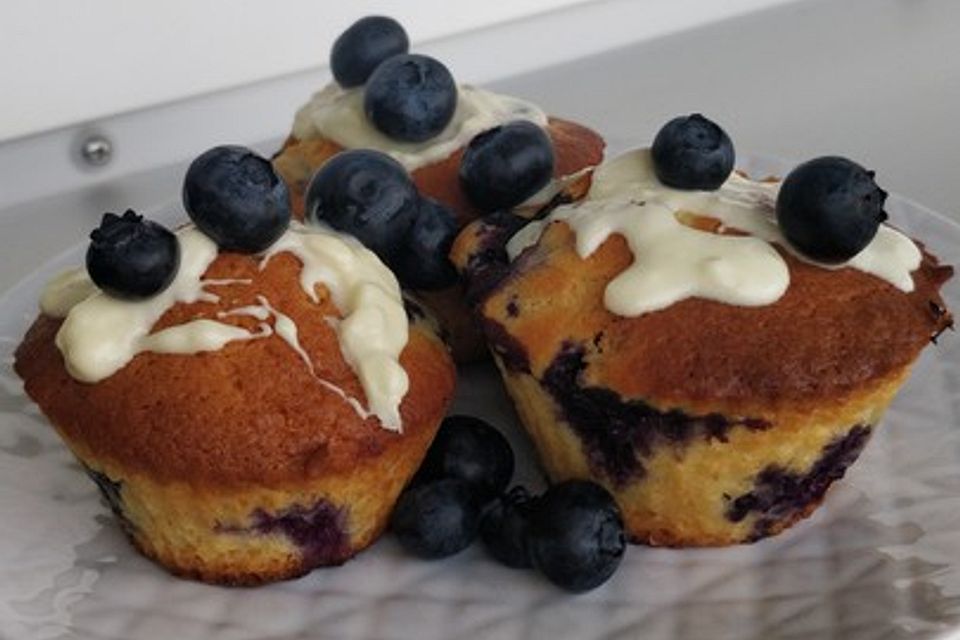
(549, 191)
(101, 334)
(222, 282)
(337, 114)
(373, 330)
(65, 291)
(286, 329)
(673, 261)
(196, 336)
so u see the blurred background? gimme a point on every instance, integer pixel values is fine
(105, 101)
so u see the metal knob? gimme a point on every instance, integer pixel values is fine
(96, 150)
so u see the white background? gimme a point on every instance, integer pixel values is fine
(69, 61)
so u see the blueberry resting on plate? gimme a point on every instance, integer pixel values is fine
(437, 519)
(692, 152)
(364, 45)
(235, 197)
(422, 262)
(505, 165)
(575, 535)
(830, 208)
(410, 97)
(132, 258)
(503, 528)
(471, 450)
(367, 194)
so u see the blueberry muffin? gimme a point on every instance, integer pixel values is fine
(250, 398)
(460, 145)
(716, 352)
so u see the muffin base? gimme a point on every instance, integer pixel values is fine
(745, 479)
(251, 535)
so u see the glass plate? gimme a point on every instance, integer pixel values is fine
(881, 559)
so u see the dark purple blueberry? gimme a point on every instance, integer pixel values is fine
(505, 165)
(692, 152)
(503, 528)
(132, 258)
(829, 208)
(410, 97)
(367, 194)
(364, 45)
(437, 519)
(235, 197)
(473, 451)
(575, 535)
(423, 262)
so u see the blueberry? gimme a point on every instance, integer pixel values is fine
(575, 535)
(692, 152)
(471, 450)
(830, 208)
(423, 261)
(235, 197)
(410, 97)
(132, 258)
(503, 528)
(437, 519)
(367, 194)
(505, 165)
(364, 45)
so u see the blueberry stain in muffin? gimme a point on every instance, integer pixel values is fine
(616, 432)
(780, 494)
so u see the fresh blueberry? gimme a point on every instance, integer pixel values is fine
(575, 535)
(423, 261)
(235, 197)
(503, 528)
(436, 520)
(505, 165)
(692, 152)
(132, 258)
(410, 97)
(364, 45)
(830, 208)
(471, 450)
(367, 194)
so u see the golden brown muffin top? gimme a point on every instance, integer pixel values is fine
(832, 330)
(251, 412)
(575, 148)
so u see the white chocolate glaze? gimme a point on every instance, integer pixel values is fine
(286, 329)
(552, 189)
(373, 330)
(337, 114)
(101, 334)
(65, 291)
(674, 261)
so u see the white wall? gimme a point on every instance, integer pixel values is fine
(68, 61)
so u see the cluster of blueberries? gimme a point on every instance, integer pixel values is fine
(412, 98)
(828, 208)
(235, 197)
(573, 534)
